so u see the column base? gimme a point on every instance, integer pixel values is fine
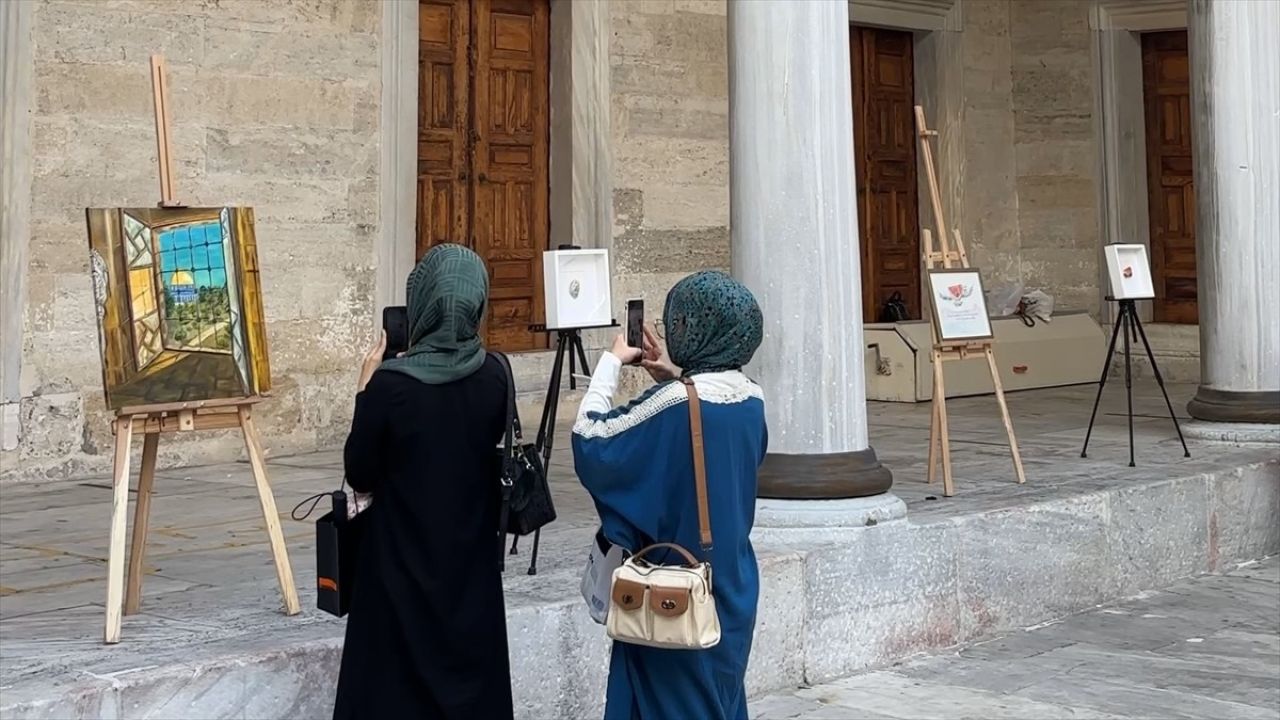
(831, 476)
(1238, 406)
(813, 522)
(1233, 433)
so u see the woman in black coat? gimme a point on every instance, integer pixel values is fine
(427, 635)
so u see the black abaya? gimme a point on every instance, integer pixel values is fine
(426, 636)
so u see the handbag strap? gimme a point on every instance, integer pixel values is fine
(699, 464)
(511, 428)
(689, 559)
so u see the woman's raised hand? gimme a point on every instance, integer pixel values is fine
(655, 360)
(624, 352)
(372, 359)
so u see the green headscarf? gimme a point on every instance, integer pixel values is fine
(713, 323)
(447, 292)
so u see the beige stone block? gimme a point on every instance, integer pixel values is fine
(359, 16)
(1072, 158)
(657, 76)
(229, 101)
(50, 426)
(671, 251)
(1040, 192)
(281, 152)
(1046, 89)
(1057, 228)
(277, 200)
(686, 206)
(620, 9)
(301, 292)
(645, 161)
(59, 248)
(99, 91)
(58, 198)
(1033, 124)
(334, 246)
(684, 36)
(705, 7)
(113, 150)
(338, 54)
(1060, 267)
(326, 345)
(96, 33)
(674, 117)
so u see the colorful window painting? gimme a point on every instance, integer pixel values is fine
(179, 304)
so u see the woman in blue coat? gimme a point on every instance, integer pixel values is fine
(637, 463)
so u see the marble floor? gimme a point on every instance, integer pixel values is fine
(210, 588)
(1208, 647)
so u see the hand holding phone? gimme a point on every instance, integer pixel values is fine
(395, 323)
(635, 324)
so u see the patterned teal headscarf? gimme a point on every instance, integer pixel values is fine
(713, 323)
(447, 292)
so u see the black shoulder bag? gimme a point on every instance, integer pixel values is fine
(894, 310)
(525, 495)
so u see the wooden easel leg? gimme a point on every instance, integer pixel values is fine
(119, 524)
(141, 523)
(931, 475)
(279, 552)
(944, 437)
(1004, 413)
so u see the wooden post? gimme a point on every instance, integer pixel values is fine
(284, 573)
(119, 523)
(141, 523)
(164, 150)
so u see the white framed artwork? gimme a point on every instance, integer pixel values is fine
(1130, 272)
(576, 286)
(959, 304)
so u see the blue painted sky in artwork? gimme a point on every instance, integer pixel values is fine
(196, 249)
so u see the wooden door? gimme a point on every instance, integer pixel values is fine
(444, 98)
(1170, 187)
(483, 141)
(885, 164)
(510, 163)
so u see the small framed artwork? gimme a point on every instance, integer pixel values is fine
(959, 304)
(576, 286)
(1130, 272)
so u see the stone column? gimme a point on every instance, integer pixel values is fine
(1235, 95)
(794, 237)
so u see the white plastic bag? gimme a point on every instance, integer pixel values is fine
(597, 578)
(1003, 298)
(1038, 304)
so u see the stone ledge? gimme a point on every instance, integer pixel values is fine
(869, 598)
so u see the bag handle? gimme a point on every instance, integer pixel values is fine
(699, 464)
(690, 560)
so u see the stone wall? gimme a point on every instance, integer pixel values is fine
(275, 105)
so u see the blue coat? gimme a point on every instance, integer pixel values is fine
(637, 463)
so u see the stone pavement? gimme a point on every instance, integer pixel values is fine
(211, 642)
(1203, 648)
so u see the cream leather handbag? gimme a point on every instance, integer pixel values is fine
(669, 606)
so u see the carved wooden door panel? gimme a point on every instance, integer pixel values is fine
(885, 165)
(444, 31)
(1170, 187)
(510, 163)
(483, 141)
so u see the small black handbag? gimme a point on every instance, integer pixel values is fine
(525, 495)
(894, 310)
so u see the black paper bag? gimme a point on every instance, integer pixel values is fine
(338, 540)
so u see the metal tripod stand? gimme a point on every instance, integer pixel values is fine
(1127, 322)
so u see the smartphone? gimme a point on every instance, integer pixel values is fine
(395, 321)
(635, 324)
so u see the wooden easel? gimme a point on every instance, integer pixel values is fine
(939, 434)
(154, 420)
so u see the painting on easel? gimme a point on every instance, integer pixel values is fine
(179, 304)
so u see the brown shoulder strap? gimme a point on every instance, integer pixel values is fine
(699, 463)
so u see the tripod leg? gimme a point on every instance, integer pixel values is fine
(1102, 382)
(573, 382)
(1128, 378)
(582, 354)
(553, 394)
(547, 431)
(1160, 381)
